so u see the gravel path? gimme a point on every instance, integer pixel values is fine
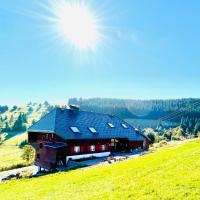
(4, 174)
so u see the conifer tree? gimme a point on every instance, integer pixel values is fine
(19, 124)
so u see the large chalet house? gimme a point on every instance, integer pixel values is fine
(68, 133)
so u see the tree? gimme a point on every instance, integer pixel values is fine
(6, 128)
(13, 108)
(24, 118)
(46, 103)
(197, 127)
(28, 153)
(19, 124)
(152, 135)
(11, 119)
(30, 110)
(33, 122)
(1, 139)
(168, 134)
(1, 123)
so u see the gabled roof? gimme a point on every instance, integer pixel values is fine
(59, 121)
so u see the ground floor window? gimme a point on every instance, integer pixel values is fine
(77, 149)
(103, 147)
(38, 156)
(40, 145)
(92, 148)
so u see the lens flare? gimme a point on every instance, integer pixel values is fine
(74, 23)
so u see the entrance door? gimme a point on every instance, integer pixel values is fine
(119, 145)
(60, 159)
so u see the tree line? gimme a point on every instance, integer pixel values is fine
(140, 109)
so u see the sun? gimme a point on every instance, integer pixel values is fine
(77, 24)
(74, 23)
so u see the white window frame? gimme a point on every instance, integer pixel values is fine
(111, 125)
(103, 147)
(74, 129)
(92, 148)
(77, 149)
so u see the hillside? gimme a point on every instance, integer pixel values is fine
(170, 173)
(13, 130)
(15, 120)
(141, 109)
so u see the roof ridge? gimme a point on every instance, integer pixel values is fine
(94, 112)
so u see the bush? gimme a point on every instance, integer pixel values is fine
(153, 137)
(23, 143)
(162, 143)
(28, 153)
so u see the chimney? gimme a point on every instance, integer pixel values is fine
(74, 107)
(63, 107)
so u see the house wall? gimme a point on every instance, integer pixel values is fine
(48, 157)
(36, 137)
(45, 156)
(85, 146)
(143, 144)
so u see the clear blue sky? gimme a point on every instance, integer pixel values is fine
(151, 50)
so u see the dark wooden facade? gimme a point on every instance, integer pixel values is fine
(52, 150)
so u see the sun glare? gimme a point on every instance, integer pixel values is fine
(75, 23)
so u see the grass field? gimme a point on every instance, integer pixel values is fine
(10, 153)
(170, 173)
(10, 156)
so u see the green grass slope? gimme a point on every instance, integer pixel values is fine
(171, 173)
(10, 157)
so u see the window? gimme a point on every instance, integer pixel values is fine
(103, 147)
(38, 156)
(92, 148)
(111, 125)
(92, 129)
(74, 129)
(77, 149)
(40, 145)
(124, 125)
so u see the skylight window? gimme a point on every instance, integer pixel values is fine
(92, 129)
(74, 129)
(124, 125)
(111, 125)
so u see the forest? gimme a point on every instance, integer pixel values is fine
(142, 109)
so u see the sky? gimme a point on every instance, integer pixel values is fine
(148, 50)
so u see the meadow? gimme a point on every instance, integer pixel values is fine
(169, 173)
(10, 152)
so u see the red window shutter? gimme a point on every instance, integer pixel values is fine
(89, 147)
(82, 148)
(107, 147)
(71, 149)
(98, 147)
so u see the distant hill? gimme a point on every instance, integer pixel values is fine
(141, 109)
(15, 120)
